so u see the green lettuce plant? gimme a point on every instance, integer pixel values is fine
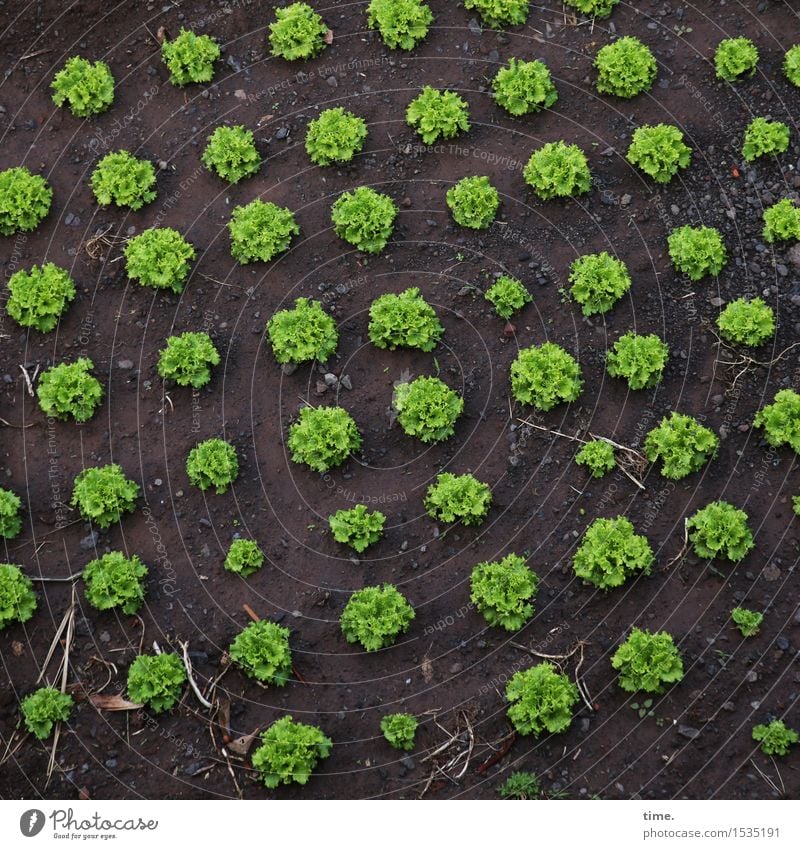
(735, 58)
(781, 420)
(358, 527)
(520, 786)
(541, 699)
(403, 24)
(213, 462)
(298, 32)
(682, 444)
(335, 137)
(156, 680)
(558, 170)
(720, 530)
(364, 218)
(190, 57)
(290, 751)
(791, 65)
(406, 320)
(427, 408)
(597, 456)
(40, 296)
(500, 13)
(507, 295)
(647, 662)
(747, 621)
(545, 375)
(86, 87)
(304, 333)
(260, 231)
(187, 359)
(43, 709)
(458, 498)
(659, 151)
(124, 180)
(503, 591)
(625, 68)
(262, 650)
(763, 137)
(598, 281)
(747, 322)
(17, 598)
(611, 552)
(25, 200)
(596, 8)
(399, 729)
(115, 580)
(244, 557)
(697, 251)
(436, 114)
(10, 520)
(159, 257)
(70, 390)
(376, 616)
(776, 738)
(103, 494)
(522, 87)
(473, 202)
(782, 221)
(639, 359)
(323, 437)
(231, 153)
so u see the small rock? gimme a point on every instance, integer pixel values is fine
(751, 677)
(332, 82)
(793, 255)
(240, 94)
(89, 541)
(105, 637)
(346, 382)
(408, 763)
(331, 380)
(193, 768)
(718, 400)
(456, 668)
(716, 302)
(125, 364)
(282, 132)
(474, 27)
(729, 706)
(772, 573)
(289, 368)
(625, 200)
(688, 732)
(297, 614)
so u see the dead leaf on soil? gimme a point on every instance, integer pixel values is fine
(241, 745)
(113, 702)
(17, 648)
(161, 35)
(329, 37)
(427, 669)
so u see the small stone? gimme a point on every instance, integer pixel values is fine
(105, 637)
(751, 677)
(408, 763)
(89, 541)
(125, 364)
(331, 380)
(240, 94)
(296, 614)
(782, 643)
(456, 668)
(346, 382)
(625, 200)
(163, 164)
(282, 132)
(716, 302)
(688, 732)
(729, 706)
(157, 482)
(111, 763)
(771, 573)
(332, 82)
(289, 368)
(717, 400)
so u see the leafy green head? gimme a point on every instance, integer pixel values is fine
(260, 231)
(427, 408)
(776, 738)
(156, 680)
(791, 65)
(86, 87)
(747, 621)
(436, 114)
(358, 527)
(520, 786)
(781, 420)
(190, 58)
(323, 437)
(597, 456)
(115, 580)
(403, 24)
(595, 8)
(376, 616)
(458, 498)
(523, 87)
(103, 494)
(545, 375)
(735, 58)
(639, 359)
(124, 180)
(231, 153)
(598, 281)
(782, 221)
(43, 709)
(682, 444)
(17, 598)
(507, 295)
(625, 68)
(647, 662)
(335, 137)
(763, 137)
(611, 552)
(399, 729)
(720, 530)
(503, 591)
(473, 202)
(558, 170)
(406, 320)
(541, 699)
(747, 322)
(298, 32)
(659, 151)
(244, 557)
(364, 218)
(10, 519)
(697, 251)
(70, 391)
(25, 200)
(290, 751)
(40, 296)
(187, 359)
(262, 650)
(213, 463)
(500, 13)
(304, 333)
(159, 257)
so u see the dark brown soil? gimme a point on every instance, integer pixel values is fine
(697, 745)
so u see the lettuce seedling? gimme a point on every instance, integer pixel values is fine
(10, 508)
(625, 68)
(399, 729)
(43, 709)
(436, 114)
(763, 137)
(647, 662)
(747, 322)
(123, 180)
(304, 333)
(213, 462)
(639, 359)
(720, 530)
(290, 751)
(376, 616)
(39, 297)
(782, 221)
(595, 8)
(17, 598)
(156, 680)
(25, 200)
(103, 494)
(473, 202)
(244, 557)
(458, 498)
(558, 170)
(403, 24)
(231, 153)
(298, 32)
(659, 151)
(791, 65)
(359, 528)
(335, 137)
(597, 456)
(159, 257)
(520, 786)
(262, 650)
(70, 390)
(187, 359)
(364, 218)
(682, 444)
(598, 281)
(524, 87)
(507, 295)
(747, 621)
(697, 251)
(86, 87)
(781, 420)
(260, 231)
(611, 552)
(545, 375)
(406, 320)
(323, 437)
(500, 13)
(735, 58)
(541, 700)
(776, 738)
(503, 591)
(115, 580)
(427, 408)
(190, 58)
